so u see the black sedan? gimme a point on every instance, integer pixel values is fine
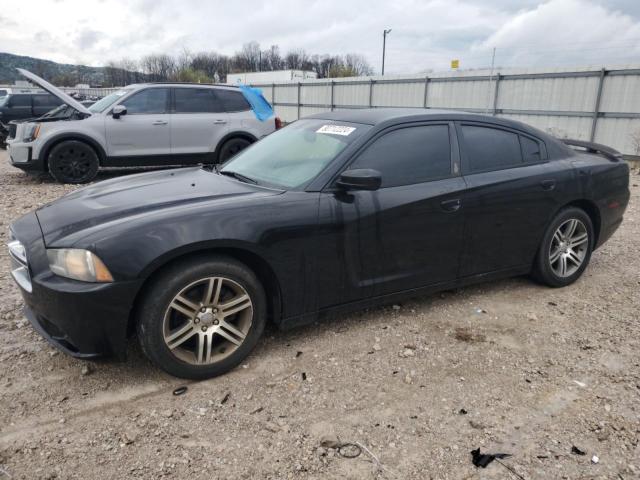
(335, 212)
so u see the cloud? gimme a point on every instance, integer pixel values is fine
(426, 33)
(87, 39)
(566, 31)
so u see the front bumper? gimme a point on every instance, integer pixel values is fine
(82, 319)
(21, 156)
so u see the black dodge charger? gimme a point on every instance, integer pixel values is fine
(337, 211)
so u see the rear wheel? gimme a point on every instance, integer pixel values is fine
(232, 147)
(202, 317)
(566, 248)
(73, 161)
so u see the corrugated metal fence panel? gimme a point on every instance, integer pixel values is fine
(558, 126)
(286, 114)
(457, 94)
(621, 133)
(286, 93)
(559, 101)
(316, 94)
(564, 94)
(398, 94)
(621, 94)
(357, 95)
(306, 111)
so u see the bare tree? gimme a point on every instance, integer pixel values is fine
(358, 64)
(271, 59)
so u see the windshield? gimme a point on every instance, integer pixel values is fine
(3, 100)
(295, 155)
(104, 103)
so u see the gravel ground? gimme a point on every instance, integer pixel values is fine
(508, 366)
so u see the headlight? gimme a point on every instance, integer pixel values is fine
(32, 132)
(78, 264)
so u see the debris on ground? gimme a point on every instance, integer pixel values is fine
(484, 459)
(349, 450)
(330, 440)
(464, 334)
(180, 391)
(576, 451)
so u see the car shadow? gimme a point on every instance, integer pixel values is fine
(275, 342)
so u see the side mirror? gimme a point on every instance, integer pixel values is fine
(360, 179)
(118, 111)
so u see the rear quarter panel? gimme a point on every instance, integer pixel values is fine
(605, 183)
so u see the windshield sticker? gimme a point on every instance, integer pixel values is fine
(336, 129)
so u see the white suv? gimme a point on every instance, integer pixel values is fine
(155, 124)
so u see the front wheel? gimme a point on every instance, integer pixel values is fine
(202, 317)
(73, 162)
(566, 248)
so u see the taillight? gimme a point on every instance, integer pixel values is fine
(278, 123)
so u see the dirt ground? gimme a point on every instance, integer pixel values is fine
(508, 366)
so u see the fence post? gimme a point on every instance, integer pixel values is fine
(299, 104)
(273, 93)
(596, 107)
(495, 95)
(332, 85)
(426, 86)
(370, 92)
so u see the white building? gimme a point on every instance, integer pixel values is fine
(269, 77)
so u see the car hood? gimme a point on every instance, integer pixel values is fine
(54, 91)
(124, 199)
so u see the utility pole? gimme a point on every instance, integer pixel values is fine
(493, 61)
(384, 43)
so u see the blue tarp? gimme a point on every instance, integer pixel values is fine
(259, 104)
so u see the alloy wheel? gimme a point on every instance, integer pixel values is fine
(207, 320)
(569, 247)
(74, 163)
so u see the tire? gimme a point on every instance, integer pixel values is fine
(558, 248)
(162, 316)
(231, 147)
(73, 161)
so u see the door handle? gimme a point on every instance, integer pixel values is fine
(451, 205)
(219, 122)
(548, 184)
(160, 122)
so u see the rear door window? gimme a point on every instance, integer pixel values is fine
(490, 148)
(196, 100)
(46, 101)
(532, 151)
(232, 100)
(409, 155)
(151, 100)
(20, 101)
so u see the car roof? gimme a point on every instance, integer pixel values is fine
(375, 116)
(179, 84)
(384, 117)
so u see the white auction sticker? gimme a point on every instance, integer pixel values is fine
(336, 129)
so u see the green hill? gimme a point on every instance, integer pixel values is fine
(56, 73)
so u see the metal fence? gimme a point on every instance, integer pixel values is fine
(601, 105)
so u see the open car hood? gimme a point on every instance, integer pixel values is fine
(54, 91)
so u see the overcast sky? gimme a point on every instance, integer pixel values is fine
(425, 35)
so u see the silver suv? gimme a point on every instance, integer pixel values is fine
(155, 124)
